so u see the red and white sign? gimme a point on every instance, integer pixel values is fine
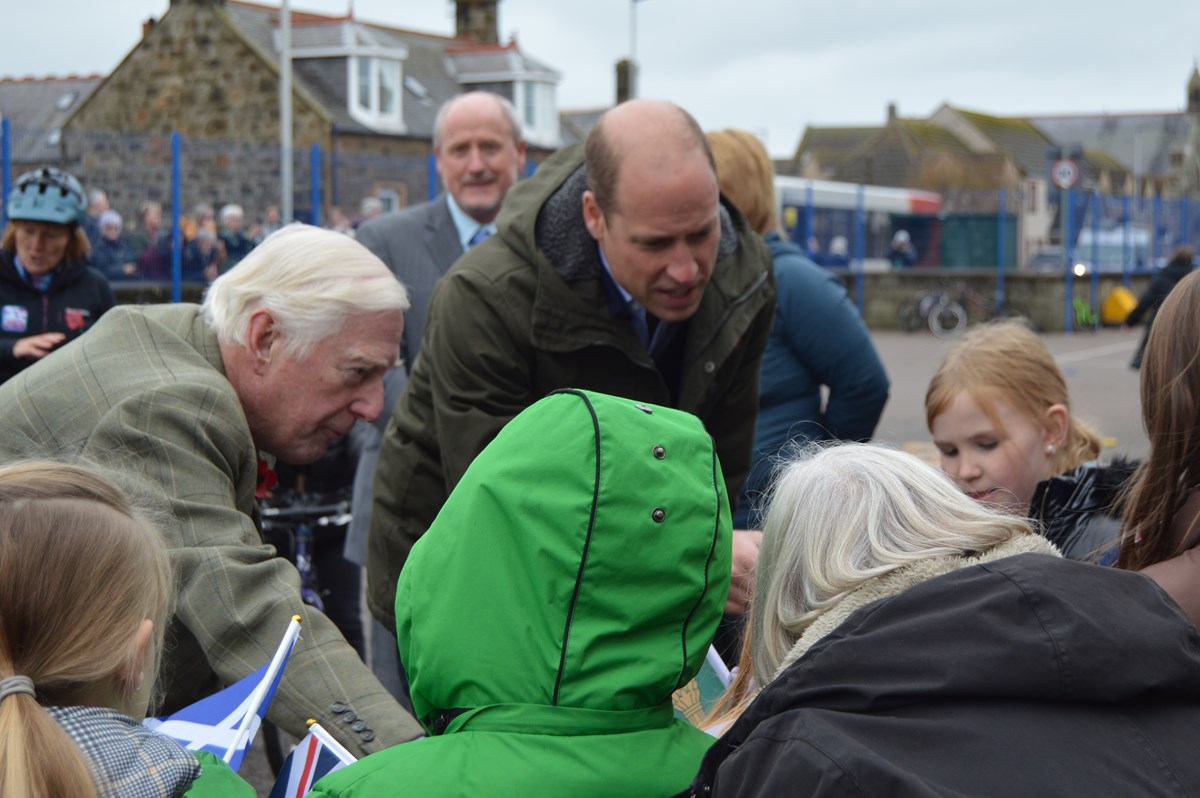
(1065, 173)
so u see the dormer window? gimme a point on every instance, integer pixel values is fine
(535, 100)
(376, 90)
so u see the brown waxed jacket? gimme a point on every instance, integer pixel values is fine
(526, 313)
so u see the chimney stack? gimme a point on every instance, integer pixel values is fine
(476, 20)
(626, 80)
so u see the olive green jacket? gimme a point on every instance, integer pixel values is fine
(571, 583)
(527, 313)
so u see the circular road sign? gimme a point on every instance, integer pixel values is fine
(1065, 173)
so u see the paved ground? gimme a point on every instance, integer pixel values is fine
(1104, 392)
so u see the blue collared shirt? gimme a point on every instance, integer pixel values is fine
(622, 303)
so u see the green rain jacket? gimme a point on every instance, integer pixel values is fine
(572, 581)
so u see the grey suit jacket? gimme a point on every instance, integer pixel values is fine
(419, 244)
(144, 392)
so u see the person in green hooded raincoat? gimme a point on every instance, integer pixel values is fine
(570, 584)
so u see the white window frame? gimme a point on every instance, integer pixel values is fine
(380, 72)
(535, 102)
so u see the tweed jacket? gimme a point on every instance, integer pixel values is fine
(526, 313)
(419, 244)
(145, 393)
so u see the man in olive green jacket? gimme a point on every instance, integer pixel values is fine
(561, 597)
(627, 275)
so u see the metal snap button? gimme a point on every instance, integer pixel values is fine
(659, 515)
(660, 452)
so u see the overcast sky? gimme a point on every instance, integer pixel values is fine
(769, 66)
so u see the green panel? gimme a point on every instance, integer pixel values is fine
(969, 241)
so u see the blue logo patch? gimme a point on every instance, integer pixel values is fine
(14, 318)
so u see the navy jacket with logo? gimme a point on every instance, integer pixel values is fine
(76, 299)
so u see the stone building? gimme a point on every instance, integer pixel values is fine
(363, 95)
(35, 109)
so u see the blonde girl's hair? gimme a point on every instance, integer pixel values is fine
(1170, 391)
(1007, 361)
(101, 569)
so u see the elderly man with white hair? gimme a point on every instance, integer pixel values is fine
(287, 352)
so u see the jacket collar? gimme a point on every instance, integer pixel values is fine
(901, 579)
(130, 759)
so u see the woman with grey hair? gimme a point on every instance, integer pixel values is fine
(909, 641)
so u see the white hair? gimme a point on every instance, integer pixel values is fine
(841, 515)
(231, 210)
(311, 280)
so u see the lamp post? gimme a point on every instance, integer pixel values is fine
(633, 62)
(285, 113)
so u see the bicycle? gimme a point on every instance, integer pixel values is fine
(290, 528)
(914, 313)
(985, 308)
(947, 311)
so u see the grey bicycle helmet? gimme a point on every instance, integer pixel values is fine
(47, 195)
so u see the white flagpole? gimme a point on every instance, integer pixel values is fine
(318, 731)
(260, 691)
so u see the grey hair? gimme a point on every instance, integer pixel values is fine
(510, 113)
(841, 515)
(311, 280)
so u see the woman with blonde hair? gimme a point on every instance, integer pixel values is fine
(85, 594)
(818, 342)
(821, 377)
(1000, 415)
(909, 641)
(1162, 513)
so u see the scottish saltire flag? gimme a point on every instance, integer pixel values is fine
(313, 757)
(694, 700)
(224, 724)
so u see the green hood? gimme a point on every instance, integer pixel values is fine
(551, 578)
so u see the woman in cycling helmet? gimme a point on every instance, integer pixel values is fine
(48, 293)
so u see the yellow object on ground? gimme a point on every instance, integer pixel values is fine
(1117, 305)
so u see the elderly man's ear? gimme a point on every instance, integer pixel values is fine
(261, 335)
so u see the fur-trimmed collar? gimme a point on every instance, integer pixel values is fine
(903, 578)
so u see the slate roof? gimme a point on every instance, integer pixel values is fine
(36, 107)
(830, 146)
(893, 156)
(1018, 137)
(575, 125)
(489, 62)
(1141, 142)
